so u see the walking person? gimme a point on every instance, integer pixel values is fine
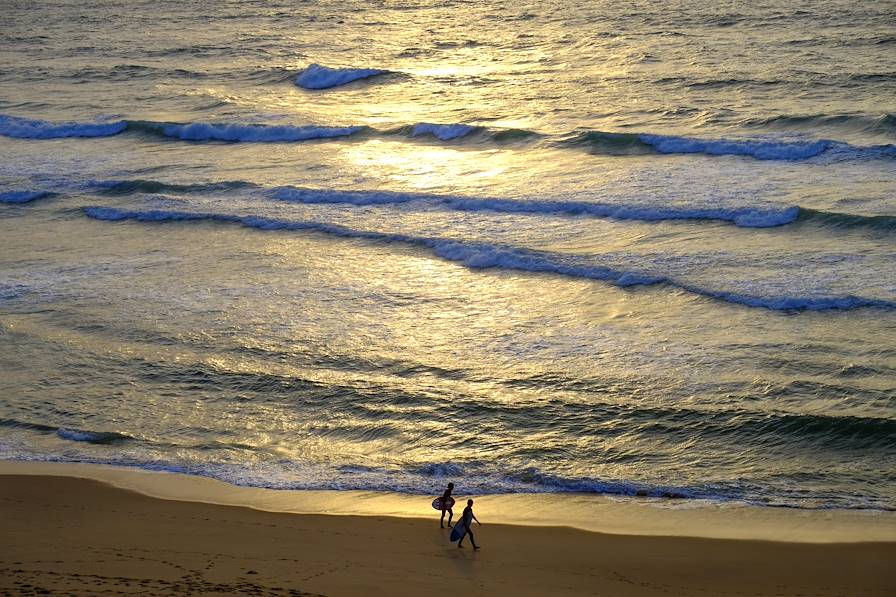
(447, 503)
(466, 519)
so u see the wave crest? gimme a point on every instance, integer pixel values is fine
(26, 128)
(885, 124)
(759, 149)
(127, 187)
(885, 223)
(317, 76)
(643, 143)
(92, 437)
(443, 132)
(251, 133)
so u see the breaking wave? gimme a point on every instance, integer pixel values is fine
(759, 216)
(765, 148)
(759, 149)
(316, 76)
(752, 217)
(127, 187)
(444, 132)
(642, 143)
(92, 437)
(71, 434)
(21, 128)
(785, 148)
(26, 128)
(246, 133)
(476, 255)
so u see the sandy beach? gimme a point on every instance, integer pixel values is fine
(83, 536)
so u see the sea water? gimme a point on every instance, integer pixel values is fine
(627, 248)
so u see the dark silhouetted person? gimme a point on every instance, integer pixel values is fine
(467, 519)
(446, 499)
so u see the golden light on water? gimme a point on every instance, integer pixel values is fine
(427, 167)
(491, 237)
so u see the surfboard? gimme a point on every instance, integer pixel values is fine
(437, 503)
(458, 531)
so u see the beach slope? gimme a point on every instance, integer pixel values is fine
(81, 536)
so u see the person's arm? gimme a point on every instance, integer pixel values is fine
(476, 519)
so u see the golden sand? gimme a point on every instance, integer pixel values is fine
(83, 536)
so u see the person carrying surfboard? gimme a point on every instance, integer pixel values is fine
(447, 502)
(466, 520)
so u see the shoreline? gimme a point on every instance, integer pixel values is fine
(82, 536)
(658, 517)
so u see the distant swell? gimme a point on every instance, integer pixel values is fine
(881, 125)
(753, 217)
(830, 219)
(126, 187)
(641, 143)
(22, 196)
(14, 424)
(482, 256)
(316, 76)
(594, 142)
(787, 149)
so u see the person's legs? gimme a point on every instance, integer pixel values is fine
(450, 516)
(473, 541)
(462, 537)
(442, 522)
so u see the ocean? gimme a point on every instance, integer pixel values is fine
(631, 249)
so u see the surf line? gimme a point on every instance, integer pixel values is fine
(485, 256)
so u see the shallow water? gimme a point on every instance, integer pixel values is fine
(638, 249)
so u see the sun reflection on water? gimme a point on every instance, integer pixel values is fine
(428, 167)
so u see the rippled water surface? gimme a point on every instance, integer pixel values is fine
(604, 247)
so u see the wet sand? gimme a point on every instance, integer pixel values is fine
(82, 536)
